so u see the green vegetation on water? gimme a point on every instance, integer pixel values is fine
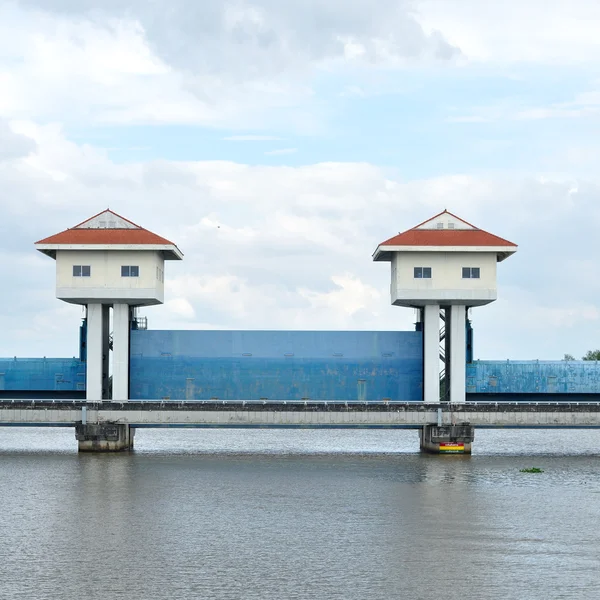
(531, 470)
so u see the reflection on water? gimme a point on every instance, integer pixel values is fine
(299, 514)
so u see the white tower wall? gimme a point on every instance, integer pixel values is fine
(105, 284)
(446, 284)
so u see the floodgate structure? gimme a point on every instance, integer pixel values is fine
(127, 376)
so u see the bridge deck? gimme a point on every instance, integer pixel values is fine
(303, 414)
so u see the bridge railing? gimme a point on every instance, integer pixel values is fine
(264, 402)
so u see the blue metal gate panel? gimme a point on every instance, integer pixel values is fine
(282, 365)
(41, 374)
(533, 377)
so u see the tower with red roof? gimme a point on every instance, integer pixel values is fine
(109, 262)
(442, 267)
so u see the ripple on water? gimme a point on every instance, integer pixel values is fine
(299, 514)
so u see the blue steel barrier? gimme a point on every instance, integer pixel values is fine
(282, 365)
(293, 365)
(41, 374)
(533, 377)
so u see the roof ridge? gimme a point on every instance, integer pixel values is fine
(444, 212)
(466, 222)
(112, 212)
(426, 221)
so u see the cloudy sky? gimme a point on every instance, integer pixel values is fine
(277, 143)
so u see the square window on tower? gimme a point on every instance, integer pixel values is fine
(82, 270)
(130, 271)
(422, 273)
(470, 272)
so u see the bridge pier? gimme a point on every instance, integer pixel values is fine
(447, 439)
(104, 437)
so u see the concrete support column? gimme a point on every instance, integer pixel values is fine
(104, 437)
(447, 439)
(120, 364)
(458, 353)
(431, 353)
(95, 348)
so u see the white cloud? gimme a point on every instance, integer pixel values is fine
(215, 63)
(54, 68)
(351, 297)
(251, 138)
(268, 36)
(468, 119)
(281, 151)
(180, 308)
(290, 248)
(12, 144)
(584, 105)
(283, 247)
(70, 69)
(517, 31)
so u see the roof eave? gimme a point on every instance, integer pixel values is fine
(504, 255)
(384, 253)
(169, 251)
(47, 251)
(173, 253)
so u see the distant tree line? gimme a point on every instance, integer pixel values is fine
(589, 355)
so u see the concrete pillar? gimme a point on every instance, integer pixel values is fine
(458, 353)
(95, 347)
(104, 437)
(120, 364)
(431, 353)
(447, 439)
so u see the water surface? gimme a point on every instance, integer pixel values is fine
(275, 514)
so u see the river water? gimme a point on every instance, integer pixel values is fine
(278, 514)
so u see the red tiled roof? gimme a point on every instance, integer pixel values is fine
(446, 237)
(106, 236)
